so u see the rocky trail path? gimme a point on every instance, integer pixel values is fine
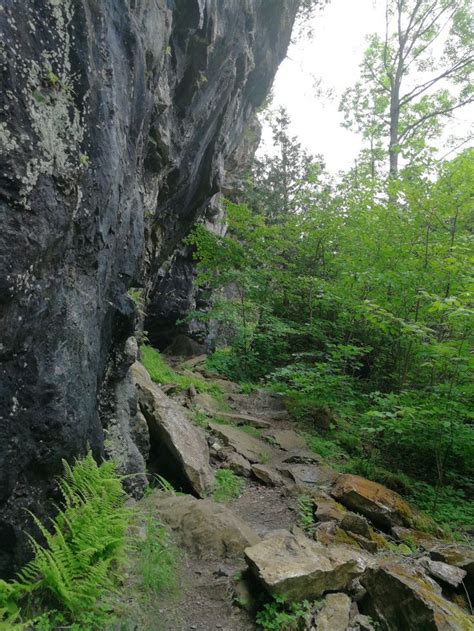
(298, 528)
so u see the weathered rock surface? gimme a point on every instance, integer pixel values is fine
(127, 438)
(334, 613)
(459, 556)
(402, 598)
(362, 623)
(116, 119)
(246, 419)
(355, 524)
(297, 568)
(287, 439)
(326, 508)
(177, 445)
(262, 403)
(382, 506)
(443, 572)
(329, 533)
(204, 527)
(237, 463)
(251, 448)
(454, 554)
(312, 475)
(416, 537)
(267, 475)
(206, 403)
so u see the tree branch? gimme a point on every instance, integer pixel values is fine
(459, 65)
(428, 44)
(385, 48)
(422, 29)
(376, 78)
(441, 112)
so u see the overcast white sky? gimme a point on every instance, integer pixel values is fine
(333, 55)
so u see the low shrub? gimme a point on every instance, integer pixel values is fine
(278, 615)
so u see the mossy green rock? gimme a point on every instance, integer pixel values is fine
(402, 598)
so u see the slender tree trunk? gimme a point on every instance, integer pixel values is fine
(393, 148)
(454, 224)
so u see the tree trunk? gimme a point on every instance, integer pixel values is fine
(394, 149)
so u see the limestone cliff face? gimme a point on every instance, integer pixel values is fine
(116, 118)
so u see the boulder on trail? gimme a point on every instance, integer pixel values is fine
(207, 529)
(312, 475)
(175, 442)
(236, 463)
(267, 475)
(251, 448)
(402, 598)
(383, 507)
(334, 614)
(184, 346)
(287, 439)
(261, 402)
(296, 568)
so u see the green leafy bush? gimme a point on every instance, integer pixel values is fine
(324, 447)
(71, 574)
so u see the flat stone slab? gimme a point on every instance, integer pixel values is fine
(297, 568)
(317, 475)
(251, 448)
(246, 419)
(287, 439)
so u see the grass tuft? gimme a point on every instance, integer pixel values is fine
(228, 486)
(161, 373)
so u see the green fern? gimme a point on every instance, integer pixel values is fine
(78, 564)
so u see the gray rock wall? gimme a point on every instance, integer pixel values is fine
(174, 294)
(116, 117)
